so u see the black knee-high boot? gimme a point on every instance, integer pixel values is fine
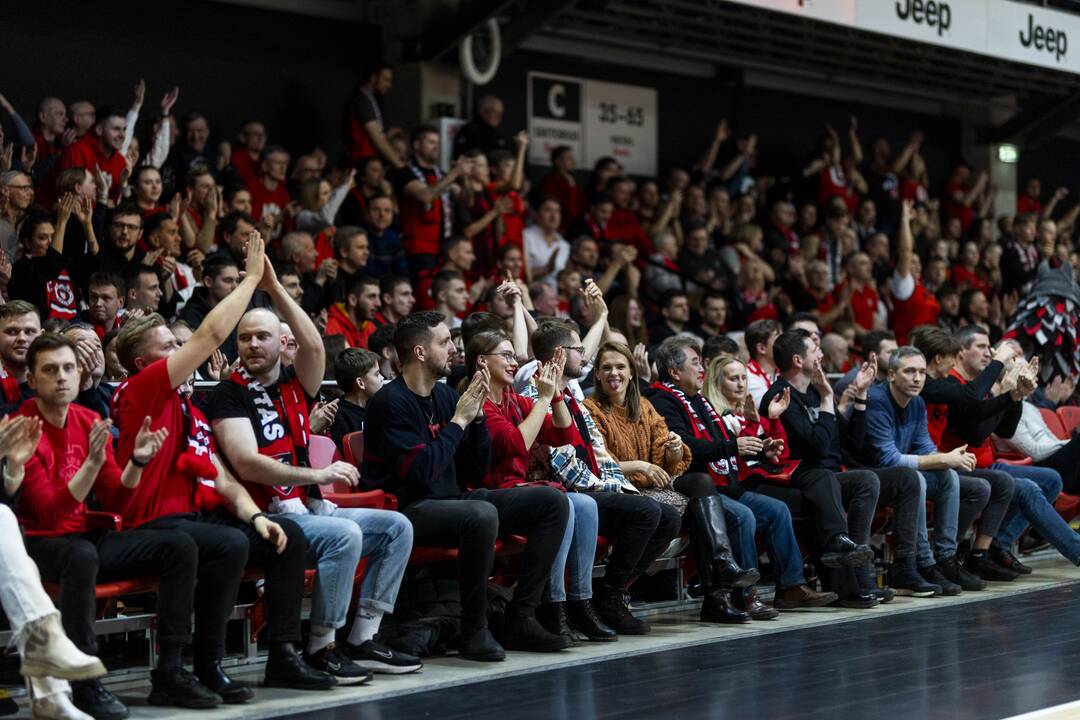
(716, 566)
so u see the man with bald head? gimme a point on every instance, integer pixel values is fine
(261, 421)
(51, 135)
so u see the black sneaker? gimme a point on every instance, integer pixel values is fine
(1032, 542)
(333, 662)
(933, 575)
(951, 568)
(1007, 560)
(178, 687)
(904, 580)
(93, 698)
(980, 563)
(377, 658)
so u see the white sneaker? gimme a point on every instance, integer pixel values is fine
(46, 650)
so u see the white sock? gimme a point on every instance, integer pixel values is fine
(319, 638)
(365, 625)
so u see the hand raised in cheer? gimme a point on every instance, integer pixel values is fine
(147, 442)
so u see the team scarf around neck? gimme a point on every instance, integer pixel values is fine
(196, 460)
(444, 197)
(724, 469)
(280, 436)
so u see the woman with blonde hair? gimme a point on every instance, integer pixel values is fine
(320, 202)
(655, 460)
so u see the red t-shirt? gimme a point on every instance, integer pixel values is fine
(246, 167)
(571, 197)
(964, 278)
(911, 190)
(47, 506)
(1027, 204)
(864, 304)
(165, 489)
(625, 227)
(423, 227)
(922, 308)
(509, 456)
(835, 184)
(955, 208)
(86, 153)
(513, 221)
(263, 199)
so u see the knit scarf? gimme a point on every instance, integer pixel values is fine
(724, 470)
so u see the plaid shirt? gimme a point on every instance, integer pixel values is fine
(566, 467)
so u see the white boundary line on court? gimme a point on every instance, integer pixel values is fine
(1058, 712)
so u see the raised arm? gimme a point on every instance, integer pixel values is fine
(709, 158)
(906, 243)
(310, 361)
(594, 299)
(219, 322)
(427, 194)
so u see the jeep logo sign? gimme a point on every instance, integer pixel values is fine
(930, 13)
(1051, 40)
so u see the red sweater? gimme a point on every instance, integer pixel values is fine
(509, 456)
(47, 506)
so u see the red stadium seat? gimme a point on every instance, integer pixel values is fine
(1054, 422)
(353, 446)
(1070, 420)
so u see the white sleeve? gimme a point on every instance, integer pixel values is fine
(902, 287)
(756, 387)
(524, 375)
(131, 118)
(160, 149)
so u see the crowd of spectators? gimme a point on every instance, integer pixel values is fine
(584, 355)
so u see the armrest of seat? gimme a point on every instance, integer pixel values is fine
(375, 499)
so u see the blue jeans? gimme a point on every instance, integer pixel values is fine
(576, 553)
(336, 542)
(745, 515)
(943, 487)
(1032, 504)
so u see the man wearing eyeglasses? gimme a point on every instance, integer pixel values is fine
(120, 253)
(17, 193)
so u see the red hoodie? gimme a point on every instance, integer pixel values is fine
(339, 322)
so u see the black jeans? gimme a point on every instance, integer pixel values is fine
(859, 491)
(226, 546)
(899, 489)
(993, 514)
(78, 562)
(472, 522)
(1066, 461)
(821, 488)
(640, 529)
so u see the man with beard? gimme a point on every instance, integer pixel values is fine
(120, 252)
(425, 198)
(419, 433)
(354, 318)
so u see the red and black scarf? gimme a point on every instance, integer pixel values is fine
(283, 429)
(725, 470)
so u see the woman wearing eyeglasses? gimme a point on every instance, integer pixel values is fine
(517, 426)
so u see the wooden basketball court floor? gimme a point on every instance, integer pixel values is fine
(1011, 650)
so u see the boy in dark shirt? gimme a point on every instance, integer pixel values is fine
(358, 376)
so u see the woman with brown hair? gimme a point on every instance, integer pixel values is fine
(518, 424)
(628, 317)
(655, 460)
